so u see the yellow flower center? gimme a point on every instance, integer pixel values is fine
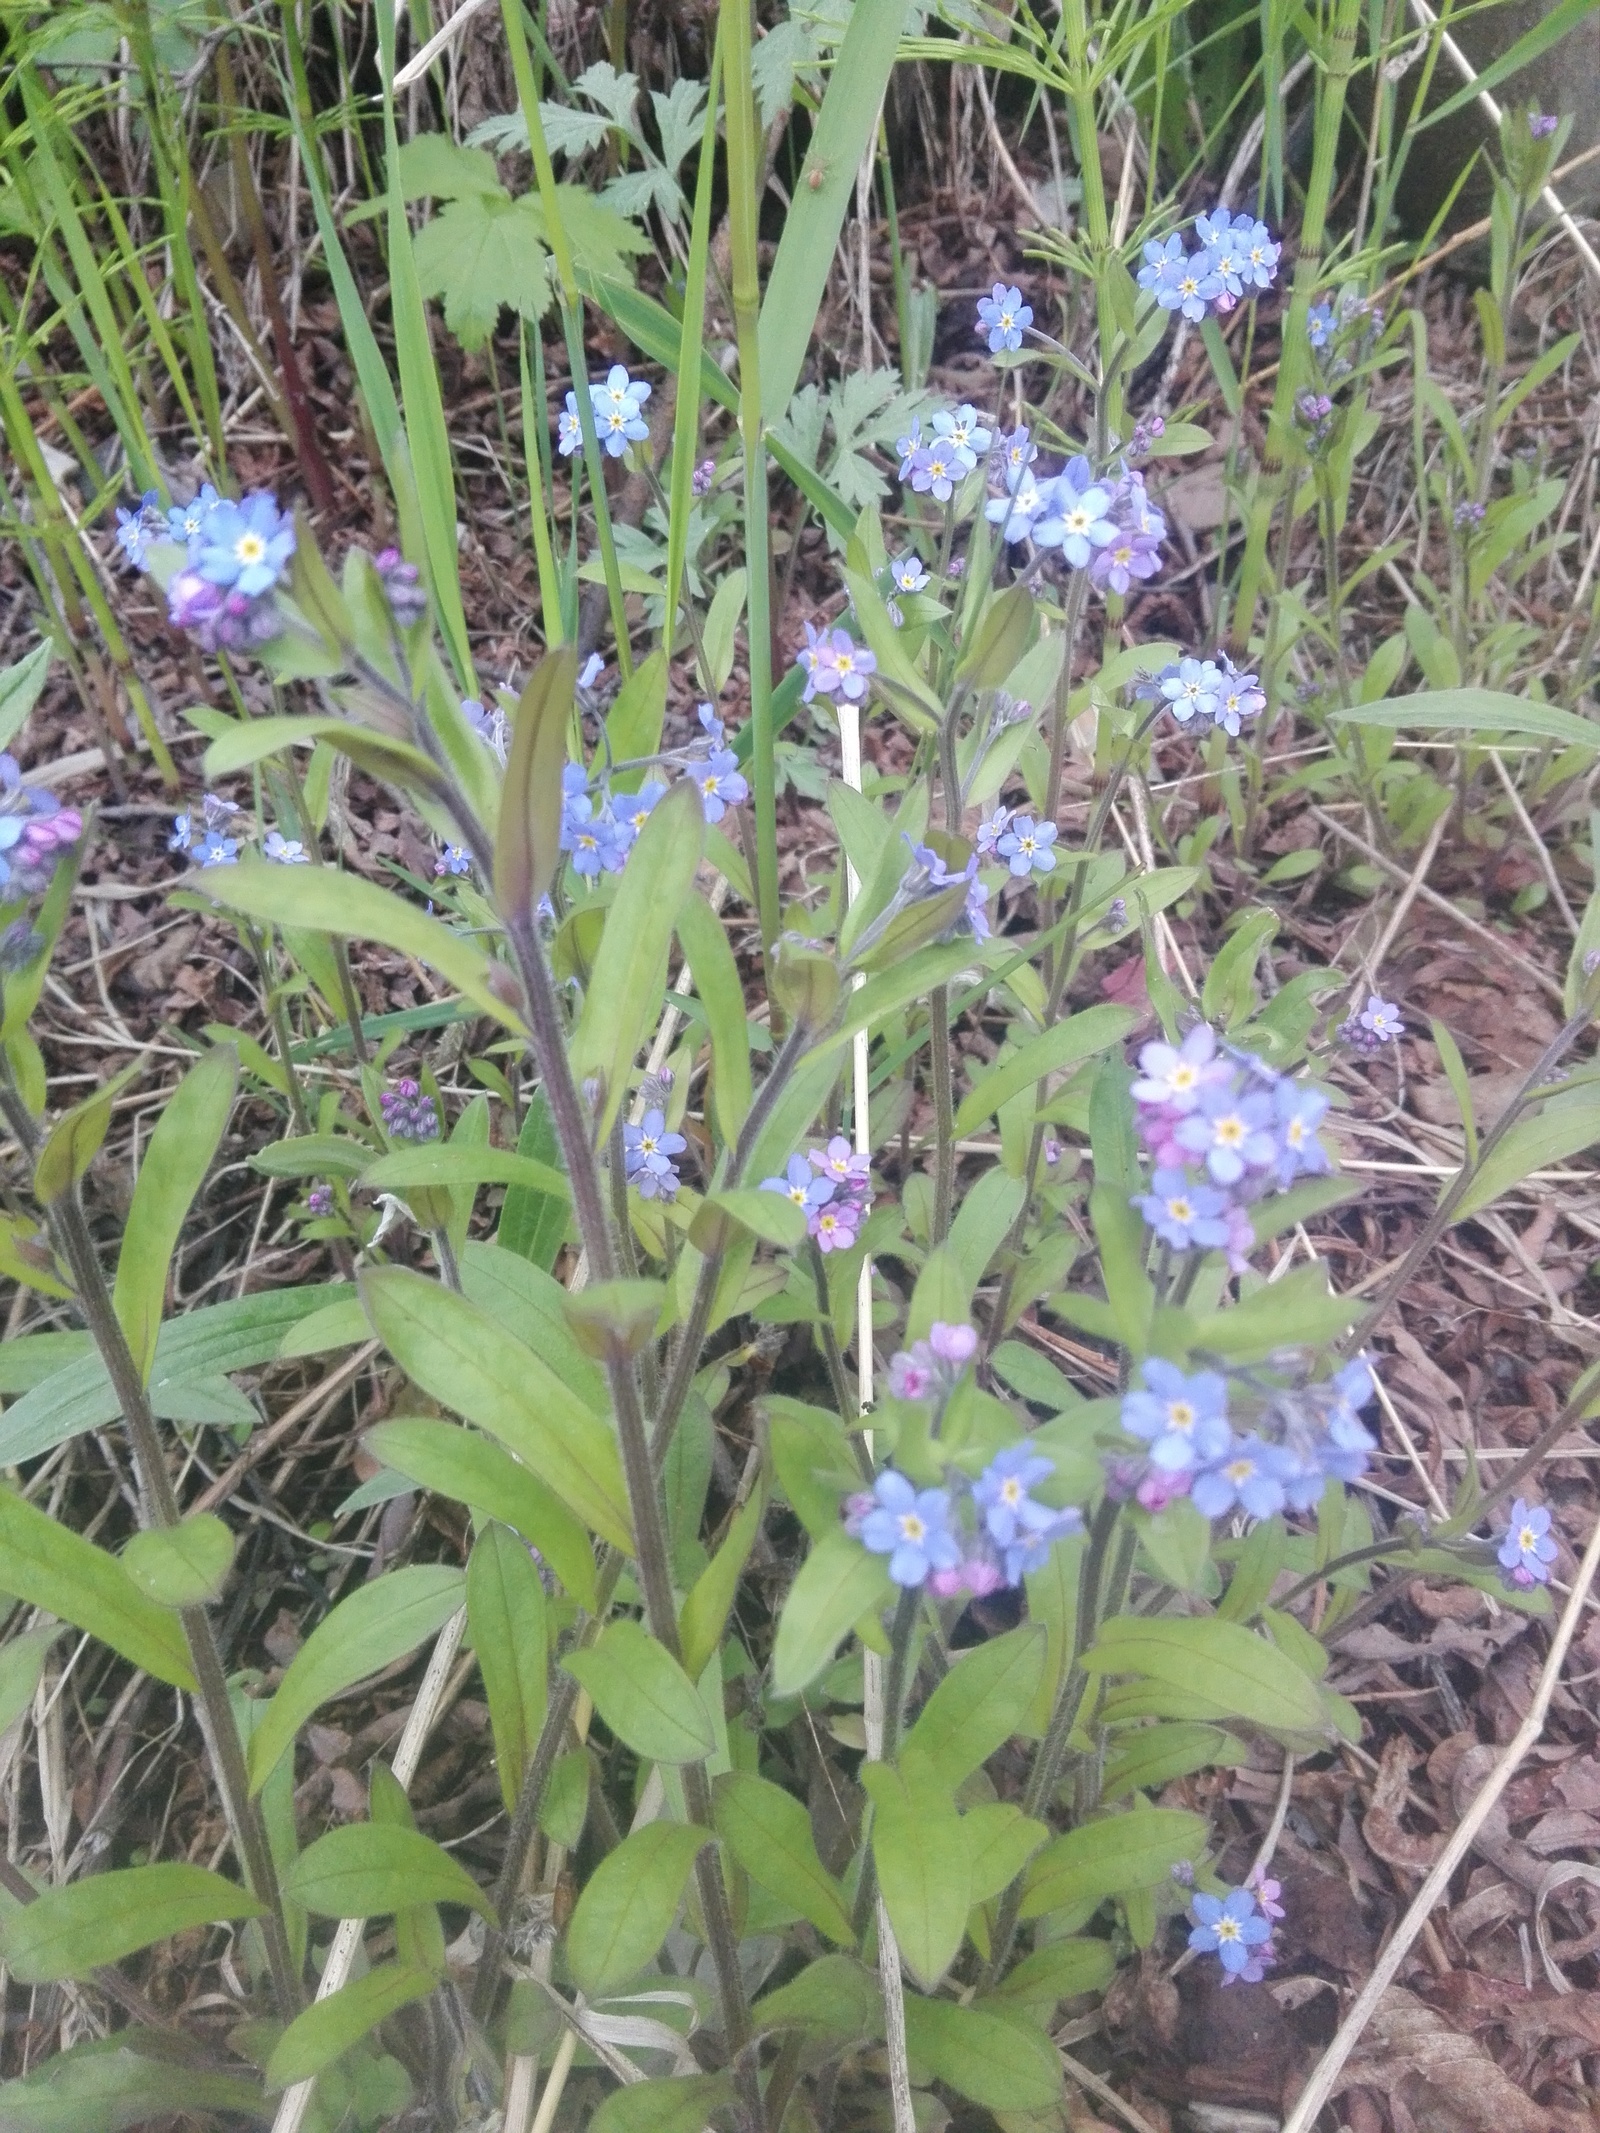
(1180, 1415)
(1180, 1210)
(1238, 1470)
(1011, 1492)
(1527, 1539)
(912, 1527)
(1183, 1075)
(250, 548)
(1230, 1132)
(1226, 1928)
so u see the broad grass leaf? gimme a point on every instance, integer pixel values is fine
(74, 1140)
(179, 1153)
(1565, 1125)
(368, 1630)
(506, 1618)
(629, 1903)
(372, 1869)
(53, 1568)
(999, 2060)
(981, 1702)
(1111, 1856)
(768, 1832)
(473, 1469)
(68, 1932)
(444, 1163)
(838, 1583)
(467, 1360)
(1477, 711)
(624, 991)
(644, 1695)
(533, 1224)
(983, 1222)
(21, 1666)
(1238, 1674)
(324, 2031)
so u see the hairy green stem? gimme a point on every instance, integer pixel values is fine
(944, 1174)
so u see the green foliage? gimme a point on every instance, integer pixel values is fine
(68, 1931)
(644, 1695)
(373, 1869)
(629, 1903)
(506, 1617)
(769, 1833)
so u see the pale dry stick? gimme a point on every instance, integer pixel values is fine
(1425, 15)
(1392, 1416)
(1142, 853)
(1280, 1815)
(419, 62)
(1025, 193)
(1541, 852)
(860, 1062)
(1321, 2086)
(1372, 964)
(347, 1938)
(554, 2088)
(1442, 903)
(1090, 2081)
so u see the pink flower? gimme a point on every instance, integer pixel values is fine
(834, 1226)
(912, 1376)
(952, 1344)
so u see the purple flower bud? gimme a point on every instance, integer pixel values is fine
(953, 1344)
(408, 602)
(704, 475)
(1541, 124)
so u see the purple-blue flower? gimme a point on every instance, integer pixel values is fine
(1001, 1493)
(911, 1527)
(801, 1185)
(1020, 509)
(284, 851)
(841, 667)
(1128, 556)
(720, 783)
(1376, 1025)
(908, 447)
(1239, 698)
(1163, 263)
(634, 809)
(569, 430)
(1026, 847)
(647, 1152)
(1002, 316)
(215, 850)
(936, 468)
(1319, 325)
(1228, 1927)
(1260, 253)
(964, 431)
(1193, 690)
(1229, 1133)
(617, 418)
(186, 522)
(908, 575)
(1527, 1551)
(1298, 1111)
(246, 546)
(1184, 1420)
(453, 859)
(1251, 1476)
(1077, 515)
(1176, 1075)
(1182, 1213)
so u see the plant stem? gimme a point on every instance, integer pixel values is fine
(944, 1176)
(832, 1354)
(70, 1229)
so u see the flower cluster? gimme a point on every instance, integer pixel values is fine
(600, 829)
(959, 438)
(1376, 1025)
(969, 1537)
(236, 555)
(1105, 523)
(35, 829)
(834, 1186)
(1236, 256)
(408, 601)
(1237, 1929)
(211, 836)
(1526, 1549)
(1026, 846)
(1302, 1440)
(408, 1114)
(617, 418)
(1206, 693)
(647, 1153)
(1221, 1130)
(1003, 318)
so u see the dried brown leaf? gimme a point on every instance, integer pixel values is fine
(1443, 2079)
(1381, 1827)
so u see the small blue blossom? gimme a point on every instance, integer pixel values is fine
(1025, 847)
(569, 430)
(908, 574)
(911, 1527)
(801, 1185)
(1260, 251)
(186, 522)
(1251, 1477)
(1239, 698)
(963, 430)
(1163, 264)
(1184, 1420)
(991, 831)
(593, 668)
(1229, 1927)
(720, 783)
(453, 859)
(1002, 317)
(1001, 1493)
(936, 469)
(1319, 325)
(617, 417)
(1077, 515)
(1193, 689)
(647, 1152)
(634, 809)
(1030, 1551)
(1182, 1213)
(182, 838)
(284, 851)
(1229, 1133)
(1192, 287)
(137, 528)
(1527, 1551)
(215, 850)
(1015, 452)
(1019, 511)
(908, 447)
(246, 546)
(1225, 248)
(1298, 1111)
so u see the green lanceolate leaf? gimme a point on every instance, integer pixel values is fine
(644, 1695)
(368, 1630)
(506, 1617)
(472, 1469)
(181, 1565)
(1152, 1756)
(70, 1931)
(705, 1611)
(1113, 1856)
(1000, 1841)
(371, 1869)
(533, 1224)
(921, 1858)
(980, 1703)
(835, 1997)
(21, 685)
(52, 1567)
(21, 1666)
(717, 981)
(627, 1909)
(1564, 1126)
(74, 1140)
(769, 1832)
(527, 848)
(1476, 711)
(626, 986)
(999, 2060)
(120, 2084)
(179, 1154)
(326, 2030)
(463, 1357)
(680, 2103)
(1057, 1971)
(1064, 1045)
(445, 1164)
(839, 1582)
(321, 900)
(1231, 1669)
